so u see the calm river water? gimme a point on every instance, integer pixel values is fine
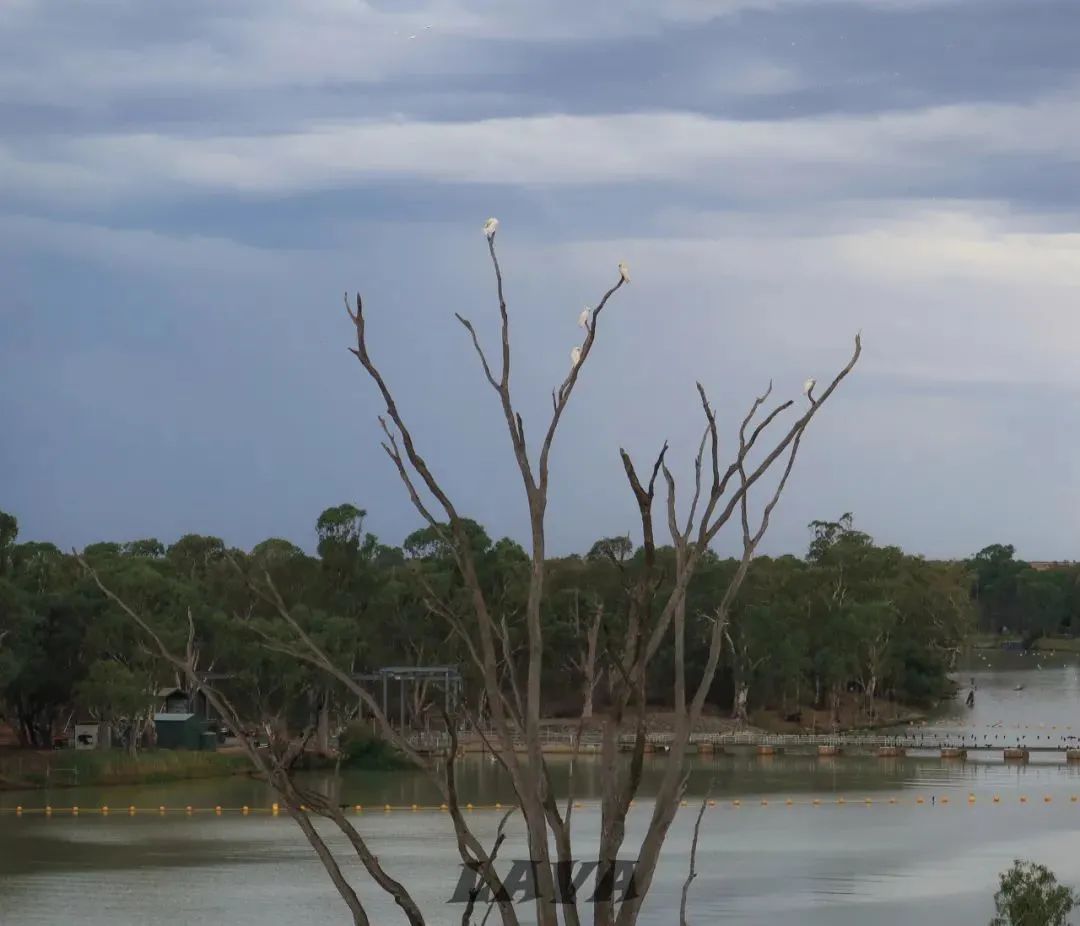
(828, 864)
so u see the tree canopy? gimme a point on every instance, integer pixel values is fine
(1029, 895)
(851, 618)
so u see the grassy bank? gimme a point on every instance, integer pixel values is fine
(70, 768)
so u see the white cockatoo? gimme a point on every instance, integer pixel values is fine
(583, 318)
(808, 387)
(575, 356)
(624, 272)
(489, 228)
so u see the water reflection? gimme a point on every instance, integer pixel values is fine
(829, 863)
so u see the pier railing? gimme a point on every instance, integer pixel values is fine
(590, 740)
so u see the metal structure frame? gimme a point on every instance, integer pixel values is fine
(448, 676)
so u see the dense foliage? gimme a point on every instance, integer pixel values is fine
(850, 619)
(1029, 895)
(1014, 597)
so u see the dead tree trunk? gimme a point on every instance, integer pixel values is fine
(322, 730)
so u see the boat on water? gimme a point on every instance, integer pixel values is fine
(1018, 688)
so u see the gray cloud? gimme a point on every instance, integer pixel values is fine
(188, 192)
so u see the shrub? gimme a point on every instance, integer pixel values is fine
(361, 747)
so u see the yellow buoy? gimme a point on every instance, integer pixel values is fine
(188, 809)
(415, 807)
(18, 810)
(1023, 800)
(74, 811)
(712, 803)
(736, 803)
(498, 806)
(1047, 799)
(131, 810)
(764, 803)
(817, 802)
(997, 798)
(358, 808)
(161, 809)
(468, 806)
(443, 807)
(105, 811)
(217, 810)
(48, 810)
(920, 800)
(840, 800)
(789, 802)
(244, 810)
(274, 809)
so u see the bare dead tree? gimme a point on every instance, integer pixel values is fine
(514, 704)
(744, 668)
(720, 492)
(584, 662)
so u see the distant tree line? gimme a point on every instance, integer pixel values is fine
(850, 619)
(1013, 597)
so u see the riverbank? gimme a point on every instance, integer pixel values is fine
(990, 641)
(29, 769)
(559, 735)
(853, 715)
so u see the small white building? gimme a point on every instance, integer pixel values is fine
(92, 735)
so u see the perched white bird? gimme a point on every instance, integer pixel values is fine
(489, 228)
(583, 318)
(624, 272)
(808, 387)
(575, 356)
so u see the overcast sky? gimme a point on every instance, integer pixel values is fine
(187, 189)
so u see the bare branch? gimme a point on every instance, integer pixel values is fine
(693, 859)
(697, 484)
(503, 314)
(500, 836)
(475, 858)
(479, 350)
(567, 387)
(644, 498)
(276, 773)
(392, 451)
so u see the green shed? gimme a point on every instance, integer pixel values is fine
(182, 731)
